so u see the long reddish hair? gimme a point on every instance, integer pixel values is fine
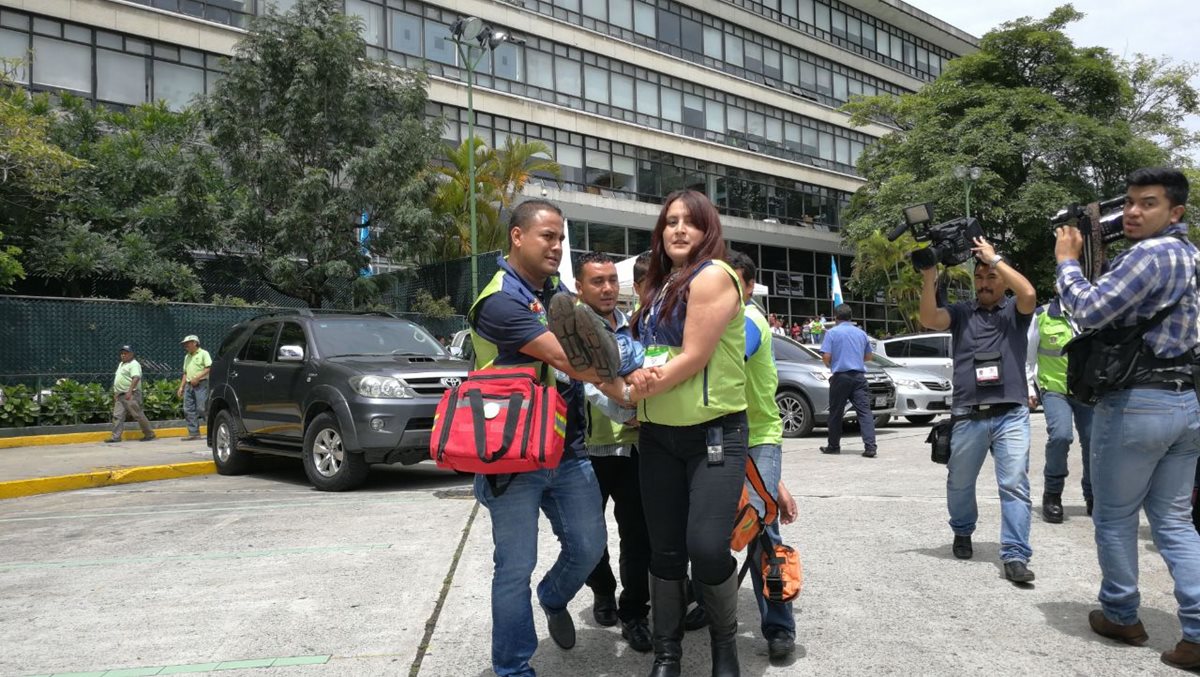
(703, 215)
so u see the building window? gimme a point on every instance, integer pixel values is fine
(63, 65)
(372, 20)
(121, 78)
(438, 46)
(406, 33)
(177, 85)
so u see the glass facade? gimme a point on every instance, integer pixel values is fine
(561, 74)
(102, 66)
(229, 12)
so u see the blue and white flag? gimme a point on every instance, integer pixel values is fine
(836, 286)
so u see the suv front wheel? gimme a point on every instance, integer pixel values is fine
(326, 462)
(226, 456)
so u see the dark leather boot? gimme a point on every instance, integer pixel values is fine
(720, 601)
(1185, 656)
(668, 604)
(1052, 507)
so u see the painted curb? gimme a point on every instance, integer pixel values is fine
(104, 478)
(81, 438)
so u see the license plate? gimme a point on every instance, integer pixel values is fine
(880, 401)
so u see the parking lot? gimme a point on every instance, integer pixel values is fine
(262, 575)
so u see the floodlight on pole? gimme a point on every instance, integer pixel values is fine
(968, 175)
(475, 39)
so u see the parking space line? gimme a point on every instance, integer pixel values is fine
(431, 624)
(248, 554)
(192, 668)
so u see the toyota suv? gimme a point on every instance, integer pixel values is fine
(340, 391)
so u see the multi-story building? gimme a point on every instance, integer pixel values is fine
(637, 98)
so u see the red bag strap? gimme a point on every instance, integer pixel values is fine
(510, 425)
(756, 481)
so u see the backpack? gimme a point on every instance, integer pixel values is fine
(782, 574)
(499, 421)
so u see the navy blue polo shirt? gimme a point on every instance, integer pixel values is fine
(508, 320)
(977, 330)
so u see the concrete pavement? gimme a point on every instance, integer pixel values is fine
(201, 573)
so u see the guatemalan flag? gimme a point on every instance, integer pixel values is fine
(836, 286)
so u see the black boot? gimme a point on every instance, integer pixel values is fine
(1052, 507)
(720, 601)
(668, 603)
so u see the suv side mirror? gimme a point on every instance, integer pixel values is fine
(290, 354)
(455, 352)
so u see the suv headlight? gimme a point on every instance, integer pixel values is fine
(907, 383)
(381, 386)
(822, 376)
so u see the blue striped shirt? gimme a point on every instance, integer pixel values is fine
(1151, 275)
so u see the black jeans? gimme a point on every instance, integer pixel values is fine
(852, 386)
(690, 505)
(618, 478)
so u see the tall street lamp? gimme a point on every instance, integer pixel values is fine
(968, 175)
(474, 40)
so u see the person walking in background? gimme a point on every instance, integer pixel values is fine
(845, 349)
(194, 386)
(1046, 366)
(127, 397)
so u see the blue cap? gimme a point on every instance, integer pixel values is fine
(127, 348)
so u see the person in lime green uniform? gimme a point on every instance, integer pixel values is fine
(193, 389)
(693, 434)
(127, 397)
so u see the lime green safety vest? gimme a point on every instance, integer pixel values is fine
(1053, 334)
(717, 389)
(486, 352)
(762, 379)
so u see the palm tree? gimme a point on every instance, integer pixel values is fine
(452, 198)
(520, 161)
(881, 263)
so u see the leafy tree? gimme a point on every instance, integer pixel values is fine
(315, 134)
(1162, 97)
(1048, 122)
(518, 162)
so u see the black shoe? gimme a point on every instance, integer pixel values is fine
(562, 627)
(149, 438)
(780, 647)
(831, 450)
(112, 441)
(604, 610)
(637, 633)
(1052, 510)
(1017, 572)
(962, 547)
(869, 453)
(696, 618)
(1089, 502)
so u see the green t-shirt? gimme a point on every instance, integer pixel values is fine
(195, 363)
(126, 372)
(762, 379)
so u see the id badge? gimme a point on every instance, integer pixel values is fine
(987, 369)
(656, 356)
(714, 438)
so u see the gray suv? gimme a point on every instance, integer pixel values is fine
(340, 391)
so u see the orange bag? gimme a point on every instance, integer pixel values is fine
(782, 574)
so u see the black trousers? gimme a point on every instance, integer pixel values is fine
(690, 505)
(852, 386)
(618, 478)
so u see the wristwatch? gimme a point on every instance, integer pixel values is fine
(996, 261)
(628, 394)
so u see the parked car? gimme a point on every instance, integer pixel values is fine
(803, 394)
(920, 395)
(340, 391)
(928, 352)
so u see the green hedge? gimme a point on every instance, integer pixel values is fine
(70, 402)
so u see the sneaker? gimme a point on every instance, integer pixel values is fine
(560, 318)
(869, 453)
(831, 450)
(112, 441)
(1133, 635)
(595, 334)
(1017, 572)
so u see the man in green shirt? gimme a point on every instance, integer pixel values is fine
(194, 386)
(127, 397)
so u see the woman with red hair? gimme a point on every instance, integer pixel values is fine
(693, 435)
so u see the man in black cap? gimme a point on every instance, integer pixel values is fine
(127, 397)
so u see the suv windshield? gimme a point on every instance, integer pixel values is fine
(374, 336)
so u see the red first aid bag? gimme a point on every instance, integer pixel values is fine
(499, 421)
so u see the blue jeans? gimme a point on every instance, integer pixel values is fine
(632, 354)
(569, 495)
(776, 617)
(1144, 457)
(1007, 436)
(1059, 411)
(195, 404)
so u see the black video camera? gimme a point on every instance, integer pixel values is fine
(950, 242)
(1100, 223)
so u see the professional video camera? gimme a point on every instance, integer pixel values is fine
(1101, 223)
(950, 242)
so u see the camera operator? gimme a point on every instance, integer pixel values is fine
(1145, 439)
(990, 398)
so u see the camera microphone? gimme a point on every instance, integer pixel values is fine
(896, 232)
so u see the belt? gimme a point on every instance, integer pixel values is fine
(984, 411)
(1172, 386)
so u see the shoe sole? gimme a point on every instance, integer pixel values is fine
(561, 322)
(1023, 579)
(599, 341)
(1052, 520)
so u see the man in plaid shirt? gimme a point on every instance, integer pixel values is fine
(1146, 437)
